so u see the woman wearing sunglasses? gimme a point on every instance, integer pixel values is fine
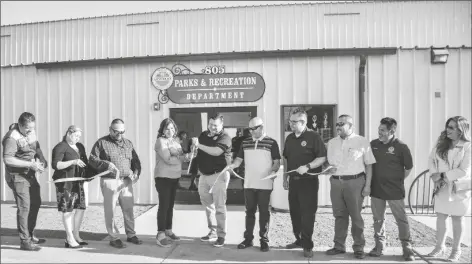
(450, 161)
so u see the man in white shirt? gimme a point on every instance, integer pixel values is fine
(262, 157)
(352, 159)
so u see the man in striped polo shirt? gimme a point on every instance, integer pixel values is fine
(262, 158)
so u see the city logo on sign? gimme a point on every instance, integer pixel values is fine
(162, 78)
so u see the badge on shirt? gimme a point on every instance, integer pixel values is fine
(390, 150)
(303, 143)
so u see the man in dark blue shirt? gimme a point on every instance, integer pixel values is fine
(394, 164)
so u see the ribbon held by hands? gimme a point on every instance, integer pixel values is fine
(191, 158)
(79, 178)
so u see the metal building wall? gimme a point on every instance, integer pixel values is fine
(253, 28)
(91, 97)
(403, 86)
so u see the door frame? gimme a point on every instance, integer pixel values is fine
(212, 110)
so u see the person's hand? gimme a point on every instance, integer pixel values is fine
(133, 177)
(174, 152)
(79, 163)
(285, 183)
(195, 141)
(36, 166)
(331, 171)
(302, 169)
(436, 176)
(112, 168)
(366, 191)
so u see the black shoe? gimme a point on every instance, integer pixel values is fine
(359, 254)
(264, 246)
(117, 244)
(83, 243)
(295, 244)
(375, 252)
(134, 240)
(29, 246)
(335, 251)
(208, 238)
(307, 253)
(67, 245)
(36, 240)
(219, 242)
(245, 244)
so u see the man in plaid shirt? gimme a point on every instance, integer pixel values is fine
(117, 155)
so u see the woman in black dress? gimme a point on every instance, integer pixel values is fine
(69, 160)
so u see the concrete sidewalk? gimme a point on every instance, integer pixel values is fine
(189, 223)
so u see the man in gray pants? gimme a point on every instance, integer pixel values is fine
(394, 164)
(352, 159)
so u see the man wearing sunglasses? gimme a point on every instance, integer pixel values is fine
(304, 152)
(262, 157)
(352, 159)
(22, 156)
(117, 155)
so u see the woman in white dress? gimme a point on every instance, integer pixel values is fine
(450, 161)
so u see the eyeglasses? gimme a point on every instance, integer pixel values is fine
(254, 128)
(118, 132)
(294, 121)
(341, 124)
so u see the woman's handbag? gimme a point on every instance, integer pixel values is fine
(461, 185)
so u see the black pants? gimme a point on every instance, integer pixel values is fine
(255, 198)
(303, 204)
(26, 191)
(166, 189)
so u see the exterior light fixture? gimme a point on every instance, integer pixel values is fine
(156, 106)
(439, 56)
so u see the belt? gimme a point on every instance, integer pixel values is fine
(311, 177)
(211, 173)
(348, 177)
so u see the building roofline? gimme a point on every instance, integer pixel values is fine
(211, 8)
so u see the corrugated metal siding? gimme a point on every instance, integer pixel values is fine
(92, 97)
(403, 86)
(284, 27)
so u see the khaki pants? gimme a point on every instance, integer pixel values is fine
(215, 202)
(346, 199)
(398, 210)
(121, 190)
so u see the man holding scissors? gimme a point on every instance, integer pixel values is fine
(214, 154)
(304, 152)
(262, 157)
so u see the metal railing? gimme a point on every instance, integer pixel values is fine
(424, 203)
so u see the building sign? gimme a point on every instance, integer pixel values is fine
(216, 88)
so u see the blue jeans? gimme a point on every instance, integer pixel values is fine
(26, 191)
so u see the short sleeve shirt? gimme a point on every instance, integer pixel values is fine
(388, 173)
(350, 155)
(208, 164)
(258, 155)
(304, 149)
